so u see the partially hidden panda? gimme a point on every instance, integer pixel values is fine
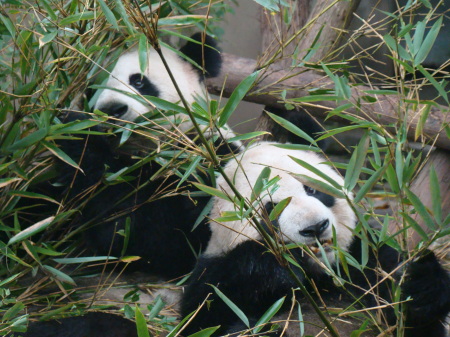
(148, 206)
(238, 262)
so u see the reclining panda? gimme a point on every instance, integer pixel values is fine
(160, 227)
(238, 262)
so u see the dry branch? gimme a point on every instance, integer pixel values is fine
(387, 110)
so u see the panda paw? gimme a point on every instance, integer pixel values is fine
(428, 286)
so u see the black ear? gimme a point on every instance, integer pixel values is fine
(196, 52)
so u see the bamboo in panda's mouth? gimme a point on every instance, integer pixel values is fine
(324, 243)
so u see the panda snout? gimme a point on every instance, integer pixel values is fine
(315, 230)
(114, 109)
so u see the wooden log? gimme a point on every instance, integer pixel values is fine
(384, 111)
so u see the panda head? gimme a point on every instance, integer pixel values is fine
(127, 77)
(310, 216)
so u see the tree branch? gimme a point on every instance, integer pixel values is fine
(388, 109)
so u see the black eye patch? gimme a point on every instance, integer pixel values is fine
(324, 198)
(143, 85)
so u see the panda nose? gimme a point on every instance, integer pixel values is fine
(114, 109)
(315, 230)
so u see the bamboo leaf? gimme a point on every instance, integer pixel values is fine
(301, 147)
(28, 140)
(87, 15)
(6, 181)
(59, 275)
(374, 178)
(88, 259)
(32, 195)
(260, 182)
(267, 316)
(61, 154)
(292, 128)
(141, 324)
(437, 86)
(246, 136)
(47, 38)
(316, 171)
(413, 223)
(192, 167)
(13, 311)
(279, 208)
(428, 43)
(123, 14)
(319, 185)
(109, 15)
(420, 208)
(165, 105)
(143, 53)
(212, 191)
(32, 230)
(205, 332)
(435, 191)
(232, 306)
(9, 25)
(356, 162)
(236, 97)
(418, 35)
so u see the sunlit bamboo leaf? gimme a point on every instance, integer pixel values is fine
(32, 230)
(6, 181)
(143, 53)
(279, 208)
(212, 191)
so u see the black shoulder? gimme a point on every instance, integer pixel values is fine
(204, 54)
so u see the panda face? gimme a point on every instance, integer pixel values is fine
(310, 216)
(126, 76)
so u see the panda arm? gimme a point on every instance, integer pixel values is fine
(427, 286)
(249, 275)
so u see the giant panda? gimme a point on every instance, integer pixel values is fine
(239, 263)
(160, 224)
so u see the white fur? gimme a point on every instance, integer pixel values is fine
(303, 210)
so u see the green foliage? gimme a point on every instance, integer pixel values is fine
(50, 55)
